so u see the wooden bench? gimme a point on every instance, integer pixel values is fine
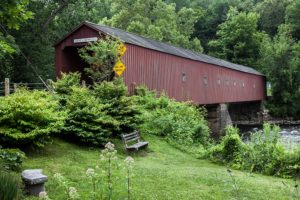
(132, 141)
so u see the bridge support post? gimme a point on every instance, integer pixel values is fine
(218, 118)
(225, 119)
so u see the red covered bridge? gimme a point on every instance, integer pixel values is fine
(182, 74)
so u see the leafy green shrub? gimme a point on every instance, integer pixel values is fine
(9, 187)
(12, 158)
(266, 153)
(263, 153)
(87, 119)
(230, 148)
(181, 123)
(289, 165)
(110, 91)
(67, 81)
(63, 86)
(101, 56)
(118, 105)
(28, 117)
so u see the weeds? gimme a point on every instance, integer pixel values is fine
(293, 188)
(129, 165)
(235, 185)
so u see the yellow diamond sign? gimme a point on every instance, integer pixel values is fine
(121, 49)
(119, 68)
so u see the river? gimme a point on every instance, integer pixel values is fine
(290, 135)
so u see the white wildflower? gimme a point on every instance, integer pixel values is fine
(110, 146)
(90, 172)
(43, 195)
(58, 177)
(129, 161)
(73, 193)
(109, 152)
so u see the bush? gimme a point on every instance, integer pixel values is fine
(181, 123)
(28, 117)
(118, 105)
(101, 56)
(12, 159)
(63, 86)
(87, 119)
(263, 153)
(230, 148)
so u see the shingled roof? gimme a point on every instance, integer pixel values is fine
(137, 40)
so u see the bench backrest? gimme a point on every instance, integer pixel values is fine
(131, 137)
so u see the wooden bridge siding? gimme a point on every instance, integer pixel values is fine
(163, 72)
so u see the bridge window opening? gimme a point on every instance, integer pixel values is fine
(183, 77)
(205, 80)
(234, 83)
(243, 84)
(219, 81)
(254, 85)
(227, 82)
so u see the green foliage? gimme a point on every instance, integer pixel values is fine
(292, 17)
(8, 50)
(9, 187)
(214, 14)
(118, 105)
(52, 20)
(12, 14)
(12, 158)
(181, 123)
(157, 20)
(87, 119)
(263, 153)
(101, 55)
(228, 151)
(266, 153)
(28, 117)
(280, 58)
(272, 14)
(63, 86)
(238, 38)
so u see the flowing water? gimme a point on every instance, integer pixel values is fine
(290, 135)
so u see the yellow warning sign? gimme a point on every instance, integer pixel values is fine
(121, 49)
(119, 68)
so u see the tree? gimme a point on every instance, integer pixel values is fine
(280, 58)
(12, 14)
(238, 38)
(272, 13)
(215, 13)
(53, 19)
(157, 20)
(292, 18)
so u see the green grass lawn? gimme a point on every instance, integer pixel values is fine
(161, 172)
